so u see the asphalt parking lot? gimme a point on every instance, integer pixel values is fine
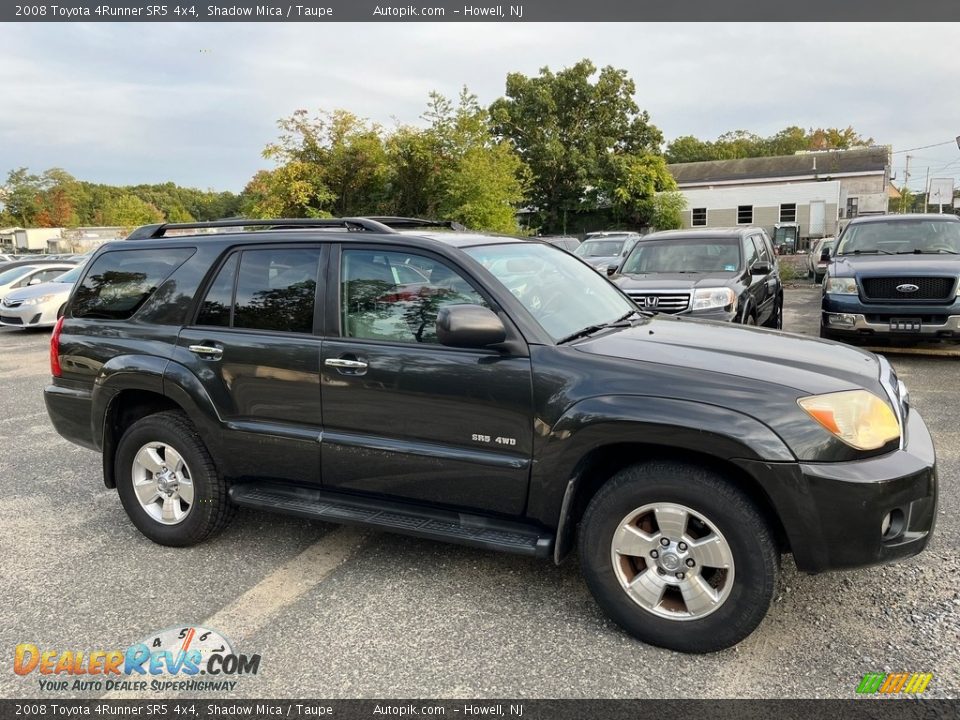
(336, 612)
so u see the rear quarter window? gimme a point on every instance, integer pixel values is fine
(119, 282)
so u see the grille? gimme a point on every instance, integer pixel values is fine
(928, 288)
(661, 302)
(11, 303)
(11, 320)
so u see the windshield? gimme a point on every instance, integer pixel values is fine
(684, 256)
(599, 248)
(564, 295)
(70, 276)
(11, 275)
(901, 236)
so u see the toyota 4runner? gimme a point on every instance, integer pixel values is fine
(488, 391)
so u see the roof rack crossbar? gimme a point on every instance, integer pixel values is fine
(353, 224)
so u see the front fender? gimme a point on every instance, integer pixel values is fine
(679, 425)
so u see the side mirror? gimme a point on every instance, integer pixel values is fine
(34, 281)
(469, 326)
(761, 267)
(612, 268)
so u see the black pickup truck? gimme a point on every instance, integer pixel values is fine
(489, 391)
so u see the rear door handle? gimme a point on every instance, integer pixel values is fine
(208, 352)
(346, 364)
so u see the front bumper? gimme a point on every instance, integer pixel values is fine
(833, 513)
(28, 316)
(849, 315)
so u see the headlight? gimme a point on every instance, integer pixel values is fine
(38, 300)
(840, 286)
(709, 298)
(857, 417)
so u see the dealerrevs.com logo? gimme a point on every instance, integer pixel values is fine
(894, 683)
(186, 658)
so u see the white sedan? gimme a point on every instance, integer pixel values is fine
(39, 304)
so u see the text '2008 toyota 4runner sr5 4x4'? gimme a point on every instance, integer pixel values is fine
(488, 391)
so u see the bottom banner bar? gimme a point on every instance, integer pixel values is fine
(854, 709)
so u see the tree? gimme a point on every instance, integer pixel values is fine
(342, 155)
(293, 190)
(478, 180)
(744, 144)
(565, 126)
(634, 186)
(21, 196)
(129, 211)
(336, 163)
(58, 200)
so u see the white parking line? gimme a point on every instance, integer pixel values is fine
(284, 586)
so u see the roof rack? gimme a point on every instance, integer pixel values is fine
(407, 223)
(160, 230)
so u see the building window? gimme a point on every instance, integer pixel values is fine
(852, 207)
(744, 214)
(699, 217)
(788, 212)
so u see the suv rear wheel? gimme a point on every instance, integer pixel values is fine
(678, 557)
(168, 483)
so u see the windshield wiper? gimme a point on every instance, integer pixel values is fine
(620, 322)
(918, 251)
(870, 251)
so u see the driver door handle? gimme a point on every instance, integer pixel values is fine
(344, 363)
(207, 351)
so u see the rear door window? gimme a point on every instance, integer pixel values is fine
(273, 289)
(121, 281)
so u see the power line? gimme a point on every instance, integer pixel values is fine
(924, 147)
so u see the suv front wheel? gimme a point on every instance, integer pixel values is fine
(168, 483)
(678, 557)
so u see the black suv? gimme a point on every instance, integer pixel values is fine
(894, 276)
(488, 391)
(726, 274)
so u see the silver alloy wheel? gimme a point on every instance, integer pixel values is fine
(672, 561)
(163, 483)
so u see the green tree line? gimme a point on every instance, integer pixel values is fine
(743, 144)
(55, 198)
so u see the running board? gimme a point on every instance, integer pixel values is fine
(447, 526)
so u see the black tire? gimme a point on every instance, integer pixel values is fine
(776, 319)
(826, 334)
(211, 509)
(756, 559)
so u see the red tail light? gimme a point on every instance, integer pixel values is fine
(55, 368)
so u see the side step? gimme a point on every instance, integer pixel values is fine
(444, 525)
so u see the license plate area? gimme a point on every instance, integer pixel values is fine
(905, 325)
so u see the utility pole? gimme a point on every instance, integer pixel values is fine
(906, 180)
(926, 194)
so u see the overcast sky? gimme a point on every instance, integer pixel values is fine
(196, 103)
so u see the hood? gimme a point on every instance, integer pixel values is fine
(809, 365)
(33, 291)
(602, 260)
(939, 264)
(674, 281)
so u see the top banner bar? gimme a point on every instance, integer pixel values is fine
(319, 11)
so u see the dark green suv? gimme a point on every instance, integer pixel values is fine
(489, 391)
